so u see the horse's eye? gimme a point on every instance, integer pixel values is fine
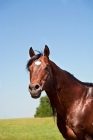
(46, 68)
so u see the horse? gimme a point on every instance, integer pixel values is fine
(72, 99)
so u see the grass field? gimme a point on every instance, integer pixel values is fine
(29, 129)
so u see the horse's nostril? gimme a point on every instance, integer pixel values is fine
(36, 86)
(30, 87)
(33, 87)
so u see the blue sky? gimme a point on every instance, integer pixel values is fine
(66, 26)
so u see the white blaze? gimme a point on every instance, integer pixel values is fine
(38, 63)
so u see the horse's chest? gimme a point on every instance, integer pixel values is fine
(80, 122)
(76, 124)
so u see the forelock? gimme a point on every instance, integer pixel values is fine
(29, 63)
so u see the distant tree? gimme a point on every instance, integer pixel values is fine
(44, 109)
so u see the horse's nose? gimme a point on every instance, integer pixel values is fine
(34, 86)
(35, 90)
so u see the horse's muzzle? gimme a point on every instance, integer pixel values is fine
(35, 90)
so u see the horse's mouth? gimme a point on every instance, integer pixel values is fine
(35, 96)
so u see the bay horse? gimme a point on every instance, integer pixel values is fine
(72, 99)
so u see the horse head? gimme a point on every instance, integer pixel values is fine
(40, 72)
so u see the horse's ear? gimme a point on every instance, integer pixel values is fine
(46, 51)
(31, 52)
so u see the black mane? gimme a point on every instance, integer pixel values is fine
(88, 84)
(33, 59)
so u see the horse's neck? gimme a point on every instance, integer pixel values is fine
(66, 88)
(63, 79)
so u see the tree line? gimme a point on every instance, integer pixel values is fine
(44, 109)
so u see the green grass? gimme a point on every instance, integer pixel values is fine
(29, 129)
